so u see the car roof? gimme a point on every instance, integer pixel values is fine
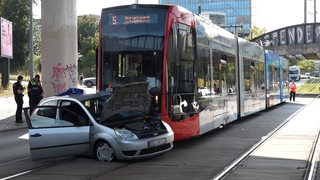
(80, 97)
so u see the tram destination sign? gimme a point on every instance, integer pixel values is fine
(133, 19)
(292, 35)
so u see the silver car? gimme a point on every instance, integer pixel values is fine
(109, 126)
(89, 82)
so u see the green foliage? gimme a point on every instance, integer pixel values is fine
(306, 66)
(17, 12)
(88, 64)
(255, 32)
(293, 63)
(87, 43)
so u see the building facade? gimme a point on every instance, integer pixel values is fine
(237, 12)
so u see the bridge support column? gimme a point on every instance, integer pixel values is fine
(59, 49)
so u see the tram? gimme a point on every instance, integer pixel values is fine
(200, 76)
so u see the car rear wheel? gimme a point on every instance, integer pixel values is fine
(104, 151)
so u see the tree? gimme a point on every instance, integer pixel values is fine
(36, 48)
(255, 32)
(307, 66)
(87, 43)
(17, 12)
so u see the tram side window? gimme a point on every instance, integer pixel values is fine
(224, 73)
(181, 72)
(285, 83)
(181, 62)
(253, 76)
(204, 79)
(231, 74)
(273, 78)
(185, 67)
(260, 76)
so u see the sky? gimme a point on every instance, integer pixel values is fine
(269, 14)
(275, 14)
(95, 6)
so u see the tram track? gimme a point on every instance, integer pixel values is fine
(310, 87)
(312, 161)
(42, 167)
(34, 169)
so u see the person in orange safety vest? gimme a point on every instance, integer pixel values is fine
(292, 88)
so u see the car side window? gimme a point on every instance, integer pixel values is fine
(48, 112)
(73, 113)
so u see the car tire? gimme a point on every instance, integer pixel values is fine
(89, 84)
(104, 151)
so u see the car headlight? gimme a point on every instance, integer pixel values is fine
(167, 126)
(125, 134)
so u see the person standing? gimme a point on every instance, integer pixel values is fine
(81, 77)
(35, 91)
(18, 90)
(292, 88)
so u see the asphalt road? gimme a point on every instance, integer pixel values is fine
(198, 158)
(14, 145)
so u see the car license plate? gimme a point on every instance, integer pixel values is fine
(157, 142)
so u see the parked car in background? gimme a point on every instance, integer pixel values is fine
(307, 74)
(89, 82)
(303, 76)
(86, 124)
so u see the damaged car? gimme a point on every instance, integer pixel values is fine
(111, 126)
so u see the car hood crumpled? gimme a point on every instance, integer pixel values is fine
(129, 97)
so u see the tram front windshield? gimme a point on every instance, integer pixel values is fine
(132, 45)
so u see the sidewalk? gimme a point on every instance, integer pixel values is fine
(7, 113)
(286, 154)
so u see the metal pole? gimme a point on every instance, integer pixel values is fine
(31, 40)
(315, 11)
(305, 11)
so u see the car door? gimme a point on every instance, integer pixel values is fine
(52, 135)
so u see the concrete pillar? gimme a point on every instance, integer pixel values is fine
(59, 48)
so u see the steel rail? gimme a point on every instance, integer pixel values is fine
(37, 168)
(313, 163)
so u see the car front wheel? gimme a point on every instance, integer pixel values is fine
(104, 152)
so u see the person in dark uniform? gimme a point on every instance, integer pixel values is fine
(18, 97)
(35, 91)
(81, 77)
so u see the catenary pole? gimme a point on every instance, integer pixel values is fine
(31, 40)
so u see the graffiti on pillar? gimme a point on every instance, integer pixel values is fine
(63, 76)
(71, 70)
